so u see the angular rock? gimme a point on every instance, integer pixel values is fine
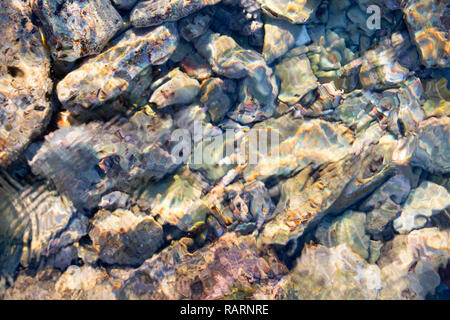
(294, 11)
(308, 197)
(122, 237)
(433, 145)
(349, 229)
(281, 36)
(89, 161)
(297, 78)
(217, 95)
(25, 82)
(114, 73)
(76, 29)
(293, 144)
(427, 200)
(194, 25)
(175, 88)
(150, 12)
(429, 26)
(325, 273)
(380, 68)
(410, 263)
(195, 66)
(232, 267)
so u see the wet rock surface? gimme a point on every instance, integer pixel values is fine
(234, 149)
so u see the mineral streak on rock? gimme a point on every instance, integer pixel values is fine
(25, 83)
(76, 29)
(114, 72)
(151, 12)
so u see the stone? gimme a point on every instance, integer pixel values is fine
(25, 83)
(76, 29)
(122, 237)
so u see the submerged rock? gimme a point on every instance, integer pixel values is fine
(79, 28)
(122, 237)
(349, 229)
(195, 25)
(232, 267)
(244, 18)
(429, 26)
(293, 144)
(329, 274)
(175, 88)
(309, 196)
(89, 161)
(281, 36)
(433, 145)
(427, 200)
(294, 11)
(150, 12)
(25, 83)
(297, 78)
(410, 263)
(114, 73)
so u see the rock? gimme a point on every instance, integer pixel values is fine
(25, 82)
(429, 27)
(150, 13)
(349, 229)
(76, 29)
(355, 108)
(115, 200)
(124, 4)
(294, 11)
(433, 145)
(385, 203)
(409, 264)
(293, 145)
(257, 94)
(36, 224)
(281, 36)
(380, 68)
(243, 17)
(427, 200)
(194, 25)
(175, 88)
(328, 55)
(121, 237)
(195, 66)
(438, 98)
(309, 196)
(76, 283)
(226, 57)
(114, 73)
(89, 161)
(258, 90)
(297, 78)
(181, 203)
(232, 267)
(329, 274)
(217, 95)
